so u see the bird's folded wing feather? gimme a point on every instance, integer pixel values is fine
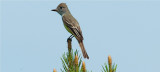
(73, 26)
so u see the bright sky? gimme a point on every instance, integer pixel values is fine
(33, 37)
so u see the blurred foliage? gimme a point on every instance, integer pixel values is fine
(72, 62)
(109, 67)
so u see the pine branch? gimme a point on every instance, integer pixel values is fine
(72, 62)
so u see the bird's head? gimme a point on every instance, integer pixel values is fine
(61, 8)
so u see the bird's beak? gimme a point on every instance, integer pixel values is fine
(54, 10)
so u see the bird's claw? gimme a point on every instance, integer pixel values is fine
(70, 38)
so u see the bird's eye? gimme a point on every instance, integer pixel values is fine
(61, 7)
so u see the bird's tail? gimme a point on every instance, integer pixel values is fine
(85, 55)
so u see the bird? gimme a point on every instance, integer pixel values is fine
(71, 25)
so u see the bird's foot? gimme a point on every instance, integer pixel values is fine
(70, 38)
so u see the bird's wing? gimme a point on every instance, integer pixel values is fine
(73, 25)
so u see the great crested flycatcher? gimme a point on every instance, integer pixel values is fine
(71, 25)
